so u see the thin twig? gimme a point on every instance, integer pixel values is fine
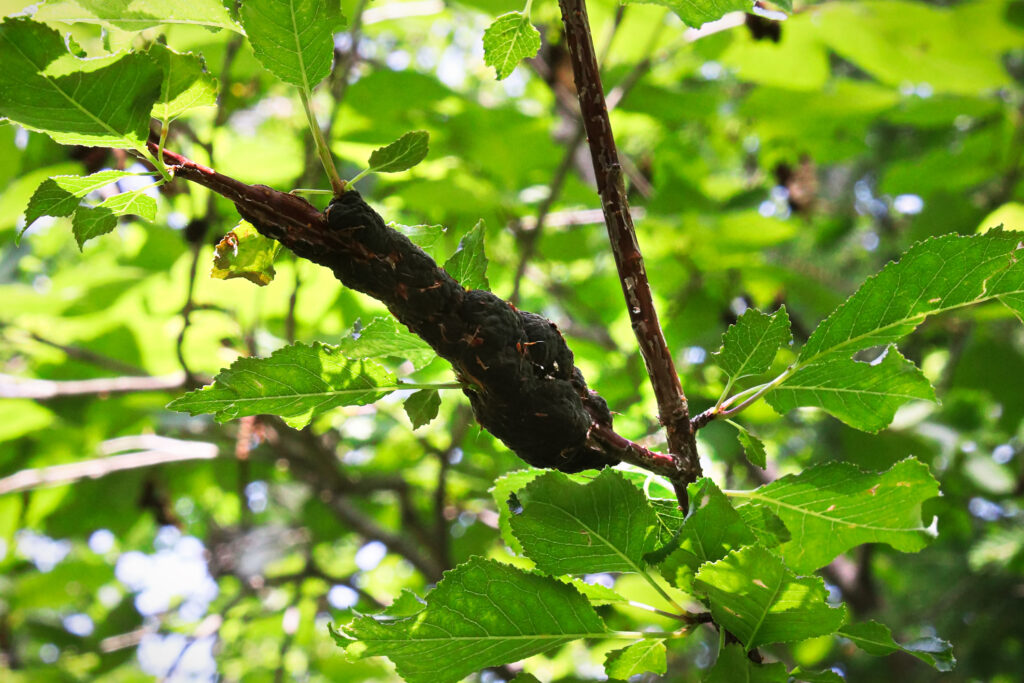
(171, 450)
(42, 389)
(672, 406)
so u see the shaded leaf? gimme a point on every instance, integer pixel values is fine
(831, 508)
(752, 446)
(92, 221)
(804, 676)
(468, 265)
(293, 39)
(863, 395)
(749, 346)
(297, 382)
(510, 39)
(245, 253)
(755, 597)
(605, 525)
(876, 639)
(733, 665)
(708, 534)
(422, 407)
(481, 614)
(186, 83)
(103, 102)
(402, 154)
(641, 657)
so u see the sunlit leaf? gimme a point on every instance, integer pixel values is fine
(749, 346)
(831, 508)
(402, 154)
(186, 83)
(481, 614)
(293, 39)
(863, 395)
(297, 383)
(695, 13)
(755, 597)
(605, 525)
(641, 657)
(245, 253)
(103, 102)
(510, 39)
(468, 265)
(138, 15)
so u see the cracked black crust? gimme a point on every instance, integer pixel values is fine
(522, 382)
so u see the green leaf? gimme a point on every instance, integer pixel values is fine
(752, 446)
(481, 614)
(92, 221)
(831, 508)
(565, 527)
(293, 39)
(876, 639)
(749, 346)
(60, 195)
(708, 534)
(426, 237)
(640, 657)
(934, 276)
(510, 39)
(134, 203)
(422, 407)
(297, 382)
(468, 265)
(596, 593)
(755, 597)
(507, 502)
(804, 676)
(186, 83)
(734, 666)
(400, 155)
(103, 102)
(386, 338)
(771, 532)
(697, 12)
(863, 395)
(138, 15)
(245, 253)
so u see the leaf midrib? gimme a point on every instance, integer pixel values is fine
(53, 84)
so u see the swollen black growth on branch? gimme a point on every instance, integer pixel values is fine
(520, 376)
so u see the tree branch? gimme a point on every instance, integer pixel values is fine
(41, 389)
(672, 406)
(165, 451)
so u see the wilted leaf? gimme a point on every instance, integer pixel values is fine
(246, 253)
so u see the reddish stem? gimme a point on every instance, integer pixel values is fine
(668, 392)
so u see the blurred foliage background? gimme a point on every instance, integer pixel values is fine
(769, 162)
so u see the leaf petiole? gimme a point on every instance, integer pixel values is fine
(322, 150)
